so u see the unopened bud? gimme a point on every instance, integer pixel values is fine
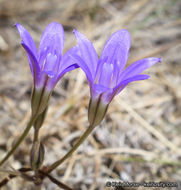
(96, 111)
(37, 155)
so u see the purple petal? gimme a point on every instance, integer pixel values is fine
(116, 73)
(138, 67)
(109, 95)
(67, 60)
(80, 62)
(34, 62)
(124, 83)
(53, 81)
(97, 89)
(50, 64)
(70, 68)
(50, 74)
(106, 74)
(54, 31)
(52, 41)
(87, 51)
(28, 42)
(117, 48)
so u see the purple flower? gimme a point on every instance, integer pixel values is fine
(106, 75)
(48, 64)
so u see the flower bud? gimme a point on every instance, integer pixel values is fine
(37, 155)
(96, 111)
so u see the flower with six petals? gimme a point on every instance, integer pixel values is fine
(106, 75)
(48, 64)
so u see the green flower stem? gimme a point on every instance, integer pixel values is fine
(36, 135)
(74, 148)
(38, 124)
(29, 125)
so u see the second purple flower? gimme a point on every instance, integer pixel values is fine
(106, 75)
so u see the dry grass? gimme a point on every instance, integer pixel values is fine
(139, 140)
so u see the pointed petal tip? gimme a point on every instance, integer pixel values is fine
(20, 28)
(74, 31)
(154, 60)
(16, 24)
(26, 39)
(79, 36)
(144, 77)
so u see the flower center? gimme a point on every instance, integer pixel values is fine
(49, 63)
(107, 74)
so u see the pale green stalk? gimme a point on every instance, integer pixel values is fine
(22, 137)
(73, 149)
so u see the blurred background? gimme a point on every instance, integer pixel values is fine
(140, 138)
